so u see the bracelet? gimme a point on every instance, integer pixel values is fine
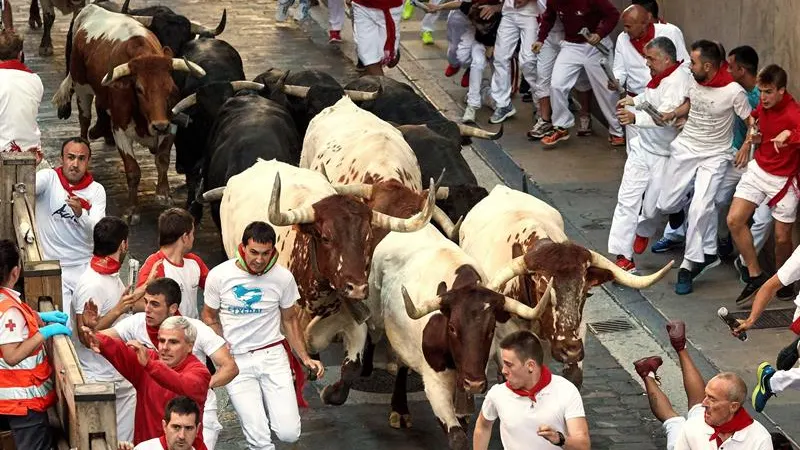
(561, 439)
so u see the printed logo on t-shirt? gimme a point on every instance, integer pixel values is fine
(248, 296)
(65, 212)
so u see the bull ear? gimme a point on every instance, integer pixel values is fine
(596, 276)
(168, 52)
(442, 288)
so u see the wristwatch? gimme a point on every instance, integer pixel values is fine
(561, 439)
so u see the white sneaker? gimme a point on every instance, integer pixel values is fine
(469, 114)
(540, 129)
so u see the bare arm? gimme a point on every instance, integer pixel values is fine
(578, 434)
(226, 367)
(14, 353)
(482, 434)
(292, 327)
(210, 317)
(763, 297)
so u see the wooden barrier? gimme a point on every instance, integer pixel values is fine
(86, 412)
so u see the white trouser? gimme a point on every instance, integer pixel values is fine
(211, 425)
(545, 61)
(638, 191)
(762, 219)
(335, 19)
(473, 54)
(457, 25)
(785, 379)
(571, 59)
(514, 28)
(265, 375)
(429, 20)
(369, 32)
(126, 409)
(674, 425)
(707, 172)
(69, 281)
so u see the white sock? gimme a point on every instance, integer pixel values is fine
(686, 264)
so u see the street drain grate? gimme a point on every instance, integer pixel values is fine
(610, 326)
(771, 318)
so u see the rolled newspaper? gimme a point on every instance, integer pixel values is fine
(753, 132)
(610, 74)
(133, 273)
(599, 46)
(651, 111)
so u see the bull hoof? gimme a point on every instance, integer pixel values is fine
(196, 210)
(65, 111)
(574, 374)
(35, 23)
(164, 200)
(457, 439)
(46, 51)
(392, 368)
(334, 394)
(398, 421)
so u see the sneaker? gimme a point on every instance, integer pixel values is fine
(725, 246)
(451, 70)
(616, 141)
(744, 274)
(665, 244)
(540, 129)
(625, 264)
(677, 334)
(751, 289)
(684, 284)
(709, 263)
(334, 36)
(786, 293)
(408, 10)
(557, 135)
(282, 13)
(469, 114)
(788, 356)
(501, 114)
(301, 13)
(465, 78)
(640, 244)
(646, 366)
(427, 37)
(762, 391)
(584, 125)
(527, 97)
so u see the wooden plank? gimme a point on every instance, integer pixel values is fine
(24, 227)
(7, 179)
(98, 414)
(42, 279)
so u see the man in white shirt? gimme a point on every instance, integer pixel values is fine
(536, 408)
(636, 217)
(162, 300)
(175, 239)
(69, 203)
(180, 427)
(101, 285)
(700, 156)
(21, 93)
(252, 292)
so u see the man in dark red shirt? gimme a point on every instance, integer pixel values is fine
(599, 17)
(772, 174)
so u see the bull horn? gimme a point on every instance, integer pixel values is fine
(297, 91)
(241, 85)
(122, 70)
(184, 104)
(625, 278)
(144, 20)
(417, 312)
(291, 217)
(476, 132)
(413, 223)
(214, 195)
(444, 221)
(526, 312)
(184, 65)
(363, 191)
(361, 96)
(201, 29)
(514, 268)
(442, 193)
(125, 6)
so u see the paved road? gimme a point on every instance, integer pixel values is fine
(618, 413)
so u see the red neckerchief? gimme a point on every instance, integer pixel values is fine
(82, 184)
(163, 441)
(14, 64)
(656, 80)
(740, 420)
(641, 41)
(105, 265)
(152, 332)
(721, 79)
(544, 380)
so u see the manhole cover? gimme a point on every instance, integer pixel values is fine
(771, 318)
(610, 326)
(382, 382)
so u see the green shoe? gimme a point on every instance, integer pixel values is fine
(762, 391)
(408, 10)
(427, 37)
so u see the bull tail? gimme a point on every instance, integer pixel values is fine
(68, 45)
(62, 99)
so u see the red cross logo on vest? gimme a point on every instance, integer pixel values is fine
(11, 325)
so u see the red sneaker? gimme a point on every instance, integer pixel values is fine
(640, 244)
(625, 264)
(616, 141)
(557, 135)
(465, 79)
(334, 36)
(449, 71)
(648, 365)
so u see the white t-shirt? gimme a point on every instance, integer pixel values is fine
(20, 95)
(190, 275)
(249, 305)
(62, 235)
(709, 128)
(105, 291)
(630, 67)
(152, 444)
(669, 94)
(520, 417)
(13, 327)
(696, 433)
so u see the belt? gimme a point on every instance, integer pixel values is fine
(784, 190)
(274, 344)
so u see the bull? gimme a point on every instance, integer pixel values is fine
(430, 299)
(137, 93)
(521, 243)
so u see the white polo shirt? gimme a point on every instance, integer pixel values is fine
(520, 417)
(152, 444)
(249, 305)
(630, 67)
(20, 95)
(190, 274)
(696, 434)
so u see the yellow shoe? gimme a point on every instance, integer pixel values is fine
(427, 37)
(408, 10)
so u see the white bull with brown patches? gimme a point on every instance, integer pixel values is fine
(521, 243)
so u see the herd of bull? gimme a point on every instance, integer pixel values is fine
(338, 171)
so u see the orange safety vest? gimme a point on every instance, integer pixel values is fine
(29, 384)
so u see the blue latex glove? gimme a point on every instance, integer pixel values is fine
(54, 317)
(54, 329)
